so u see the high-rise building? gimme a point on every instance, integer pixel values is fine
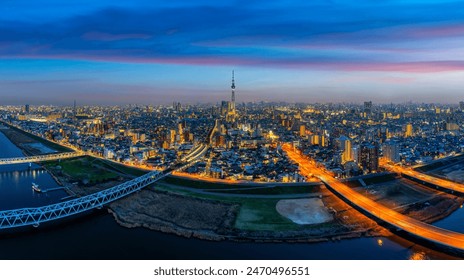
(180, 132)
(324, 142)
(314, 139)
(355, 153)
(27, 109)
(408, 132)
(74, 110)
(347, 153)
(368, 157)
(177, 106)
(172, 135)
(302, 130)
(391, 151)
(452, 126)
(343, 144)
(224, 108)
(368, 107)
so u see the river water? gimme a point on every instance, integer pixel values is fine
(98, 236)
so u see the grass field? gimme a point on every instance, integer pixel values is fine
(84, 168)
(261, 214)
(197, 184)
(242, 188)
(255, 213)
(122, 168)
(93, 169)
(276, 190)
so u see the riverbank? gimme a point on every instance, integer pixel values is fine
(25, 143)
(30, 144)
(194, 217)
(217, 215)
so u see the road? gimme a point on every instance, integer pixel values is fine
(413, 226)
(456, 187)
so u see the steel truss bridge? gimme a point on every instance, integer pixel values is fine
(40, 158)
(35, 216)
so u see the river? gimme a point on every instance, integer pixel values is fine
(98, 236)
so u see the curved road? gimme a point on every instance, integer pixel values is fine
(423, 230)
(445, 184)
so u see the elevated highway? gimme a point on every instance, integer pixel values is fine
(438, 182)
(412, 226)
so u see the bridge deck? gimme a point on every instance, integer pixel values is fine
(35, 216)
(17, 160)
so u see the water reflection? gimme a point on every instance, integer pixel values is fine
(418, 256)
(380, 242)
(101, 232)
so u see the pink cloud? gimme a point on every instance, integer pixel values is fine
(436, 31)
(407, 67)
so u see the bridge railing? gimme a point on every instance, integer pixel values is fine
(38, 158)
(34, 216)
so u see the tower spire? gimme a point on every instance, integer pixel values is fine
(233, 87)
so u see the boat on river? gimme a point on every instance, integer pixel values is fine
(36, 188)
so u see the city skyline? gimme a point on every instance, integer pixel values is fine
(155, 53)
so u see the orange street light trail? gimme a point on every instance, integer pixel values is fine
(423, 230)
(445, 184)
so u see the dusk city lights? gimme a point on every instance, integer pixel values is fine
(290, 131)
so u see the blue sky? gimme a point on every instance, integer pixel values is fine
(156, 52)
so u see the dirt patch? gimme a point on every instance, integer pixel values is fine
(304, 211)
(397, 193)
(456, 176)
(453, 172)
(178, 214)
(412, 199)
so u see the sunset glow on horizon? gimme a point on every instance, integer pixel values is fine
(152, 52)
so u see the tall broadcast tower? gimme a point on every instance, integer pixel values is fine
(233, 93)
(229, 111)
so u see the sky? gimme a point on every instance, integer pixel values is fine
(156, 52)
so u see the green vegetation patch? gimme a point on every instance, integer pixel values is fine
(241, 188)
(255, 213)
(274, 190)
(122, 168)
(84, 169)
(197, 184)
(261, 214)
